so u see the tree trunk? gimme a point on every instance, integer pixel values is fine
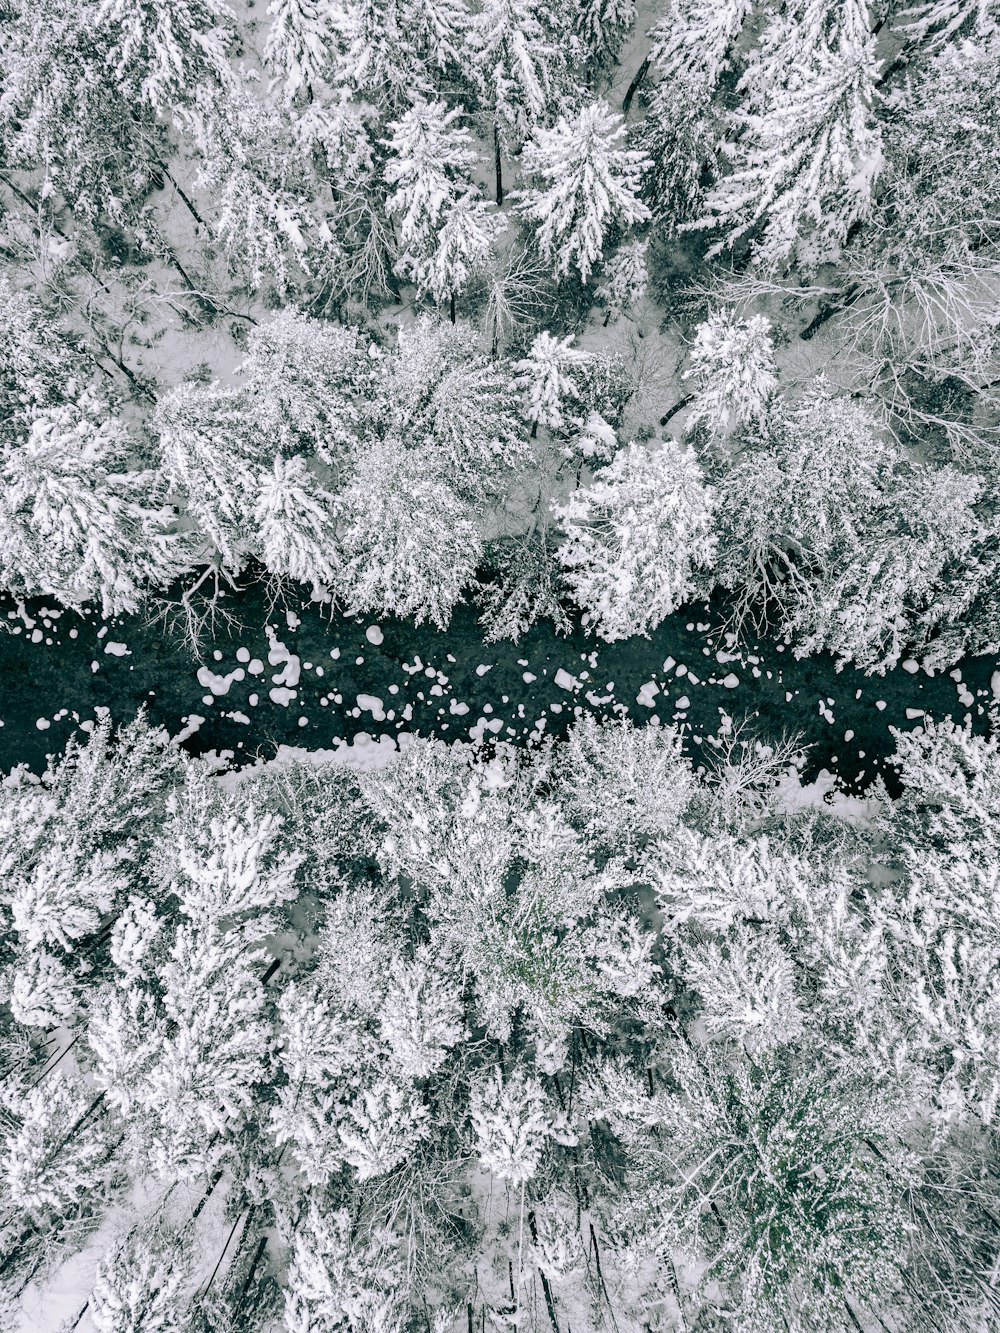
(677, 407)
(162, 166)
(597, 1260)
(76, 1126)
(848, 298)
(633, 87)
(496, 161)
(80, 1314)
(208, 1193)
(550, 1304)
(225, 1247)
(451, 307)
(261, 1247)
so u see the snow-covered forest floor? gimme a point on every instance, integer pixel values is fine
(551, 327)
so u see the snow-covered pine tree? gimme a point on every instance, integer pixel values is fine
(142, 1284)
(691, 47)
(352, 1041)
(634, 537)
(430, 155)
(732, 364)
(337, 1279)
(257, 172)
(76, 522)
(515, 67)
(212, 1054)
(602, 27)
(382, 1127)
(324, 1051)
(109, 791)
(523, 589)
(783, 1147)
(588, 181)
(302, 377)
(72, 847)
(377, 56)
(828, 527)
(446, 398)
(66, 894)
(680, 135)
(92, 803)
(463, 249)
(212, 456)
(444, 230)
(299, 45)
(36, 365)
(515, 898)
(55, 1149)
(557, 1245)
(694, 40)
(425, 353)
(623, 786)
(42, 990)
(625, 278)
(746, 985)
(511, 1123)
(407, 543)
(806, 150)
(922, 265)
(438, 30)
(132, 938)
(228, 865)
(165, 49)
(473, 420)
(951, 790)
(922, 569)
(758, 896)
(296, 531)
(431, 804)
(421, 1017)
(545, 378)
(940, 21)
(65, 115)
(318, 1043)
(596, 439)
(125, 1034)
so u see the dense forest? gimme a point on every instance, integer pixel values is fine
(563, 1038)
(580, 313)
(389, 300)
